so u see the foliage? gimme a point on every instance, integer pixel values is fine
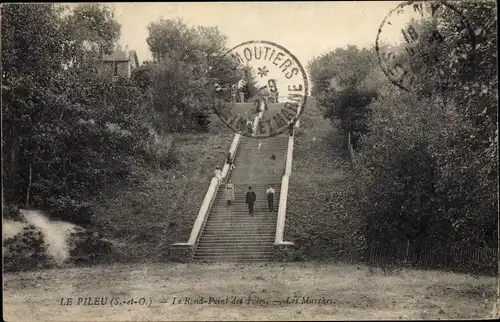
(142, 76)
(337, 78)
(67, 130)
(249, 81)
(28, 249)
(94, 26)
(189, 64)
(427, 168)
(427, 164)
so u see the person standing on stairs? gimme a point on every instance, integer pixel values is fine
(218, 173)
(250, 200)
(229, 160)
(290, 128)
(270, 198)
(273, 157)
(229, 192)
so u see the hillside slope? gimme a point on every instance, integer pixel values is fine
(159, 209)
(321, 219)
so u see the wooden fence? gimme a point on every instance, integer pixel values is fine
(459, 258)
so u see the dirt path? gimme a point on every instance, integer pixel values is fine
(348, 292)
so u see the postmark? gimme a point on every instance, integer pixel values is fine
(420, 23)
(280, 89)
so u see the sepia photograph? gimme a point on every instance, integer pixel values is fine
(250, 161)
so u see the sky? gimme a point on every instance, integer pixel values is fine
(306, 29)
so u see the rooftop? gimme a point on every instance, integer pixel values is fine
(120, 56)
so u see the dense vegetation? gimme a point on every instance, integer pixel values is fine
(67, 129)
(70, 133)
(426, 159)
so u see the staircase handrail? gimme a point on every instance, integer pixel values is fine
(285, 181)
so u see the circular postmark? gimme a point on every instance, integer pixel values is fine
(266, 92)
(422, 24)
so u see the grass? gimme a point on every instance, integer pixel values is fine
(355, 293)
(321, 219)
(247, 110)
(160, 208)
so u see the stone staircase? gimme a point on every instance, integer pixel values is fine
(230, 233)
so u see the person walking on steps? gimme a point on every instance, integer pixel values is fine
(229, 160)
(273, 157)
(290, 129)
(229, 192)
(250, 200)
(270, 198)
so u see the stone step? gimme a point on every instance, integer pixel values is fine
(237, 225)
(244, 180)
(240, 221)
(249, 230)
(239, 232)
(242, 187)
(235, 242)
(234, 253)
(231, 249)
(245, 219)
(243, 238)
(236, 216)
(239, 203)
(233, 229)
(242, 194)
(210, 240)
(259, 213)
(210, 260)
(241, 208)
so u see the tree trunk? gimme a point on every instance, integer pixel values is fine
(29, 188)
(346, 140)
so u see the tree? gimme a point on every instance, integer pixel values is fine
(67, 132)
(338, 78)
(142, 76)
(427, 164)
(188, 64)
(249, 81)
(94, 26)
(426, 169)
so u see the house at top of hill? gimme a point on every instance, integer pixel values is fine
(120, 63)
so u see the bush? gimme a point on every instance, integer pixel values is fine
(161, 152)
(28, 249)
(69, 132)
(426, 161)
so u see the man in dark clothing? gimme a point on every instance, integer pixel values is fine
(250, 200)
(290, 129)
(229, 160)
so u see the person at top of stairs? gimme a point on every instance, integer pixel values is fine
(270, 198)
(229, 192)
(250, 200)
